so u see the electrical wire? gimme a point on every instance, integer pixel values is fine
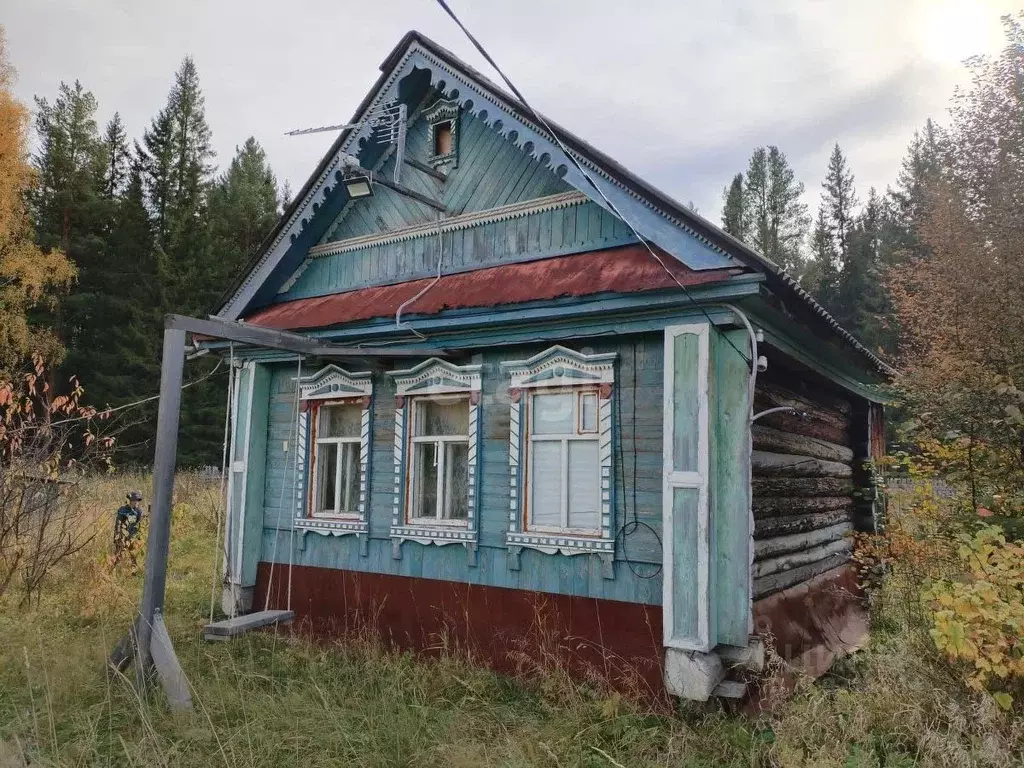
(107, 411)
(611, 206)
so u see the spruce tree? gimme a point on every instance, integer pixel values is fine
(118, 157)
(734, 210)
(243, 210)
(775, 218)
(839, 199)
(861, 299)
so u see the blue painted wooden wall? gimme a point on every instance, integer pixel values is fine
(572, 229)
(638, 402)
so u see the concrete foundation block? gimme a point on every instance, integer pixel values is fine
(692, 674)
(236, 600)
(750, 657)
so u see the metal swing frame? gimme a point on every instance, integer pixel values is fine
(148, 641)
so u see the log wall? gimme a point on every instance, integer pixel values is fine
(805, 475)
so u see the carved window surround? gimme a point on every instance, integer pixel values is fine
(558, 368)
(443, 112)
(333, 384)
(434, 377)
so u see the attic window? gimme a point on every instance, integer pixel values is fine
(443, 138)
(443, 119)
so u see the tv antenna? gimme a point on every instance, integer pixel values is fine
(388, 126)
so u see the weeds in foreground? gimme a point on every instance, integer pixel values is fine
(277, 699)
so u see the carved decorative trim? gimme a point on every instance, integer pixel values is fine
(559, 367)
(518, 129)
(454, 224)
(435, 377)
(334, 383)
(443, 111)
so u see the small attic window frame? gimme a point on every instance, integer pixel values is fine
(443, 139)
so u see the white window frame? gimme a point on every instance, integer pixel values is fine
(559, 368)
(578, 434)
(337, 512)
(443, 493)
(433, 379)
(332, 384)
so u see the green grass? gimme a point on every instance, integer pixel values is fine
(271, 699)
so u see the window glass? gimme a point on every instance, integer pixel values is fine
(340, 420)
(584, 484)
(441, 417)
(350, 455)
(425, 465)
(456, 481)
(588, 412)
(326, 476)
(546, 483)
(443, 138)
(553, 414)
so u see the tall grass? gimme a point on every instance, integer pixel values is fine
(272, 699)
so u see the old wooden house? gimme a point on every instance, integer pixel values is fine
(639, 442)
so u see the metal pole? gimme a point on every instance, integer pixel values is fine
(164, 461)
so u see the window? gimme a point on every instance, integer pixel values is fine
(443, 142)
(439, 479)
(443, 138)
(564, 475)
(561, 490)
(337, 459)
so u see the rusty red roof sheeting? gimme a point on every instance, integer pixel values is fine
(629, 269)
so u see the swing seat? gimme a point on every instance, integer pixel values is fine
(239, 625)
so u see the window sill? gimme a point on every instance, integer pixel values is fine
(332, 526)
(439, 535)
(434, 522)
(349, 516)
(565, 544)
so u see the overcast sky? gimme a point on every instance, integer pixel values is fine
(679, 91)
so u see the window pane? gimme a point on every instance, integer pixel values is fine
(340, 420)
(584, 485)
(546, 483)
(350, 454)
(553, 415)
(424, 496)
(326, 475)
(588, 413)
(456, 481)
(442, 417)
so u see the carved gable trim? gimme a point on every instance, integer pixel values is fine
(560, 367)
(332, 382)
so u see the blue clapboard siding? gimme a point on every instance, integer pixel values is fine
(573, 229)
(491, 172)
(637, 455)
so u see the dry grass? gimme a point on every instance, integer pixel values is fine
(271, 699)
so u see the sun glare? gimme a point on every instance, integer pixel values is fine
(952, 30)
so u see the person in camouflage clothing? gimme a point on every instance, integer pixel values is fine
(127, 522)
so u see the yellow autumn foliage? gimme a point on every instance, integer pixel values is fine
(978, 619)
(29, 277)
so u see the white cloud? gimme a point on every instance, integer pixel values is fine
(680, 91)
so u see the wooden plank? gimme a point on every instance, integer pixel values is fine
(249, 621)
(730, 497)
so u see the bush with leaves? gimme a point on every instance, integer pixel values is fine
(47, 444)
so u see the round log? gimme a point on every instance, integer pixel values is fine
(786, 506)
(767, 527)
(802, 486)
(764, 464)
(810, 426)
(766, 585)
(778, 441)
(797, 542)
(793, 560)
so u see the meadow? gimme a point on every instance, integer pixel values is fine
(276, 698)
